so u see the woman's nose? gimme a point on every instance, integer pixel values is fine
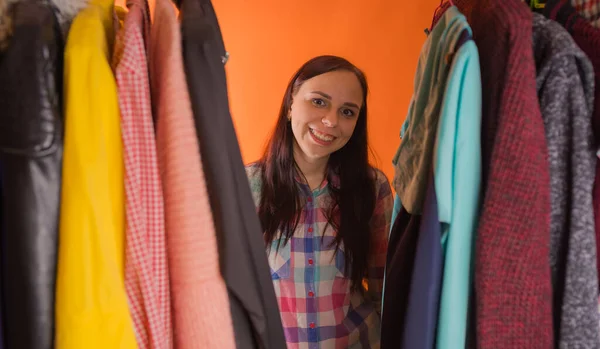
(330, 120)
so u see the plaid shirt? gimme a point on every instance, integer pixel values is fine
(146, 269)
(317, 308)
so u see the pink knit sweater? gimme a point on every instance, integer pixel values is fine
(201, 315)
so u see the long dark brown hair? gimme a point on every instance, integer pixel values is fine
(353, 201)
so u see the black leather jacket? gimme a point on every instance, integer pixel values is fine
(31, 136)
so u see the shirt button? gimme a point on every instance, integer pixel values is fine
(310, 230)
(310, 261)
(311, 294)
(312, 325)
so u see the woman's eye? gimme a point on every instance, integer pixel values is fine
(318, 102)
(348, 112)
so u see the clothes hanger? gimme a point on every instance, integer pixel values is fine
(537, 5)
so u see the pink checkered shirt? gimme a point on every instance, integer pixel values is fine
(317, 308)
(588, 9)
(146, 269)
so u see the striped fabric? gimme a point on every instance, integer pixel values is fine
(317, 308)
(201, 315)
(588, 9)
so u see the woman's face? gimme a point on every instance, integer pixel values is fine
(324, 113)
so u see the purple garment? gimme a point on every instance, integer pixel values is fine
(425, 288)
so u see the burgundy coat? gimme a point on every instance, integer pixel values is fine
(513, 293)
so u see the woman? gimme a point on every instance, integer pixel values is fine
(324, 210)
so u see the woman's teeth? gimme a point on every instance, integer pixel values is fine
(322, 136)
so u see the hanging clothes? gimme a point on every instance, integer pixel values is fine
(449, 105)
(31, 151)
(201, 312)
(588, 40)
(255, 314)
(146, 268)
(565, 84)
(91, 302)
(402, 249)
(513, 290)
(425, 287)
(588, 9)
(413, 162)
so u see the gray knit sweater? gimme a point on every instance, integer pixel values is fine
(565, 85)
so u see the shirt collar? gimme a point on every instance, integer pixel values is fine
(335, 182)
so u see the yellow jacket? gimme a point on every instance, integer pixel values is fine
(91, 302)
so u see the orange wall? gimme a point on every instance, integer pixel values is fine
(269, 39)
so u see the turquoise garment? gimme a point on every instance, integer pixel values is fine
(457, 176)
